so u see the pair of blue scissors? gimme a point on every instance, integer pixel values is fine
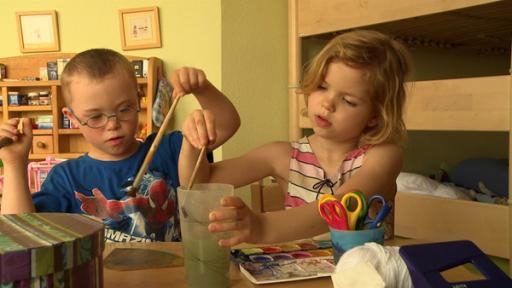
(333, 212)
(375, 222)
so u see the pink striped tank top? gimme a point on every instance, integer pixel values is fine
(307, 179)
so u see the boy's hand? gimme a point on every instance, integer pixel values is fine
(187, 80)
(235, 217)
(21, 140)
(199, 128)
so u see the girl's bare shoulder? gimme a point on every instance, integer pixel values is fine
(385, 148)
(385, 153)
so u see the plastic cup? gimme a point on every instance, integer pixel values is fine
(343, 240)
(206, 264)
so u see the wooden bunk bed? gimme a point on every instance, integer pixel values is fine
(480, 101)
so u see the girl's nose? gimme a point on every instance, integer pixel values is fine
(328, 104)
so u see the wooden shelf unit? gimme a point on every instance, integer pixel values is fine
(59, 142)
(479, 102)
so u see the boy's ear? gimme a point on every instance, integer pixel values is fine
(67, 112)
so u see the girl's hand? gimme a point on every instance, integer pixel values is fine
(234, 217)
(187, 80)
(199, 128)
(21, 140)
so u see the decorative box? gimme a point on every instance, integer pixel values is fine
(14, 98)
(51, 250)
(3, 73)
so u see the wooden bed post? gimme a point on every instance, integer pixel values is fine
(510, 170)
(293, 71)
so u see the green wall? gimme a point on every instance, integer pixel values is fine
(190, 30)
(254, 71)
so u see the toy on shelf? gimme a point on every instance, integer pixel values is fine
(37, 172)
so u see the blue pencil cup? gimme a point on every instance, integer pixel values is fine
(343, 240)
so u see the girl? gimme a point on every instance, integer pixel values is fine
(355, 93)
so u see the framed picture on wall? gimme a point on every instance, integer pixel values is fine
(38, 31)
(140, 28)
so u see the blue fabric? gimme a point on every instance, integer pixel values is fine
(493, 173)
(150, 216)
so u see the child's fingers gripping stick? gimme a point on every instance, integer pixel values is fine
(20, 126)
(4, 141)
(209, 119)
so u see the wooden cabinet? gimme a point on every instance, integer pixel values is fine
(445, 96)
(42, 144)
(55, 140)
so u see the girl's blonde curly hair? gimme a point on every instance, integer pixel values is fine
(386, 63)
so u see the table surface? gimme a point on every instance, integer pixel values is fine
(175, 276)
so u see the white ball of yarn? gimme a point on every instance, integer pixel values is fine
(385, 259)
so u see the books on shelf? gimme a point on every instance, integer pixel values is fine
(53, 73)
(140, 67)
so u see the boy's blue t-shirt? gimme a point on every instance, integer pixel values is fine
(95, 187)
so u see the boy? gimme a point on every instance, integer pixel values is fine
(100, 90)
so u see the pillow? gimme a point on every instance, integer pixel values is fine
(416, 183)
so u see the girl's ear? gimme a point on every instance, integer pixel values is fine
(372, 122)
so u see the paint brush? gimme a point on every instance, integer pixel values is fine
(196, 167)
(132, 190)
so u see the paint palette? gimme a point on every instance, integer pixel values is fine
(285, 262)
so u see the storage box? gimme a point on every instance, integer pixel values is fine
(14, 98)
(51, 250)
(3, 73)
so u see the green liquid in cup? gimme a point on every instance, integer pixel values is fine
(206, 264)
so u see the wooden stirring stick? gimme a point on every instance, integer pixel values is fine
(132, 190)
(198, 163)
(190, 184)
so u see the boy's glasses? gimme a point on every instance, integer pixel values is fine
(100, 120)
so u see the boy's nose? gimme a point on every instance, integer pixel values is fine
(112, 122)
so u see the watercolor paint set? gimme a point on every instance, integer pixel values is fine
(285, 262)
